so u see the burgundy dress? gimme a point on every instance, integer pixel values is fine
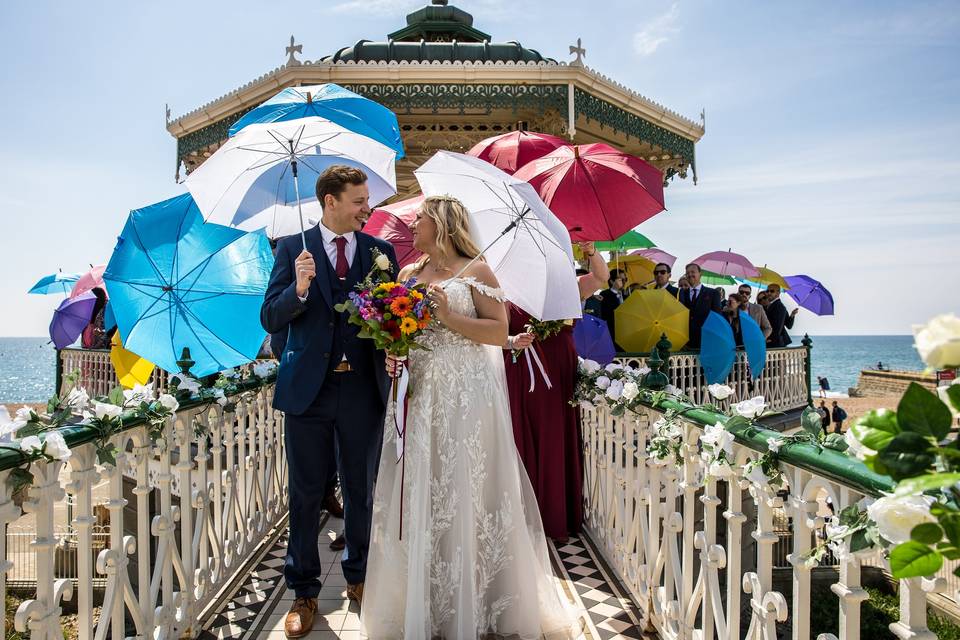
(547, 428)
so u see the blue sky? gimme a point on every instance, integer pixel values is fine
(831, 145)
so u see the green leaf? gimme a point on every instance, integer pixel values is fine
(927, 533)
(810, 421)
(116, 396)
(876, 429)
(953, 394)
(105, 455)
(948, 551)
(920, 484)
(956, 572)
(19, 478)
(921, 411)
(913, 559)
(907, 455)
(950, 523)
(859, 541)
(836, 442)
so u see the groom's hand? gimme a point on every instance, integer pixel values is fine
(306, 271)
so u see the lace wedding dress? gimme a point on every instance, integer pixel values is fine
(473, 559)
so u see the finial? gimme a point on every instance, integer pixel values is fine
(185, 362)
(439, 3)
(580, 53)
(292, 49)
(167, 109)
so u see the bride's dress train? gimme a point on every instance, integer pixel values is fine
(473, 561)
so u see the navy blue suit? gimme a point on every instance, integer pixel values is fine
(326, 411)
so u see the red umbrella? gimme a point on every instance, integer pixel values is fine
(510, 151)
(88, 281)
(392, 223)
(598, 192)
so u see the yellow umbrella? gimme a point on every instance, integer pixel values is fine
(769, 276)
(131, 369)
(638, 268)
(646, 315)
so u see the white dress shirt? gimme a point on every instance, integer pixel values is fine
(330, 247)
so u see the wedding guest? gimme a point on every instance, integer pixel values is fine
(661, 279)
(780, 319)
(610, 299)
(683, 283)
(732, 313)
(701, 300)
(755, 311)
(94, 335)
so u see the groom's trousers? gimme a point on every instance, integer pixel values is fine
(346, 417)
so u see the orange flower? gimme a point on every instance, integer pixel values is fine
(401, 306)
(408, 326)
(425, 320)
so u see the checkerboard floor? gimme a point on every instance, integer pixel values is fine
(258, 607)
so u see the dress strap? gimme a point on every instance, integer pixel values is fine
(491, 292)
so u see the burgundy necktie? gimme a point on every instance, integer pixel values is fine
(693, 296)
(342, 266)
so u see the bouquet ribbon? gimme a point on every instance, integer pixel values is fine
(399, 388)
(534, 358)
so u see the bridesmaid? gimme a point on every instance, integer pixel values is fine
(546, 427)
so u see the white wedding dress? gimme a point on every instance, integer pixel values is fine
(473, 561)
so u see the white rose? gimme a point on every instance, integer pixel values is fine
(854, 446)
(938, 341)
(188, 384)
(603, 382)
(630, 390)
(589, 366)
(24, 415)
(642, 371)
(139, 393)
(31, 444)
(719, 469)
(751, 408)
(382, 262)
(774, 444)
(897, 516)
(719, 438)
(672, 390)
(230, 374)
(106, 410)
(220, 396)
(168, 402)
(673, 431)
(720, 391)
(756, 475)
(263, 369)
(613, 366)
(56, 446)
(78, 399)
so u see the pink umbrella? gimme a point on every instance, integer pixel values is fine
(656, 255)
(392, 223)
(599, 193)
(727, 263)
(510, 151)
(88, 281)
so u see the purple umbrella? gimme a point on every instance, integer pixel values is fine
(592, 339)
(70, 319)
(810, 294)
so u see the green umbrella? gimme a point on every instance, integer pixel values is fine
(629, 240)
(709, 277)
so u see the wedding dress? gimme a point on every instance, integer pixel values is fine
(473, 559)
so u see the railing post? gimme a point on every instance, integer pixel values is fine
(808, 366)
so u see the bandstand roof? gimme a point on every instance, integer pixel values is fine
(451, 86)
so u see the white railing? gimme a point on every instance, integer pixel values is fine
(697, 552)
(97, 374)
(184, 550)
(783, 381)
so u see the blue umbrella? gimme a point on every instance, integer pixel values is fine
(176, 282)
(109, 320)
(718, 348)
(58, 282)
(71, 318)
(754, 343)
(331, 102)
(592, 339)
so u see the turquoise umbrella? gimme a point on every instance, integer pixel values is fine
(718, 348)
(177, 282)
(58, 282)
(754, 343)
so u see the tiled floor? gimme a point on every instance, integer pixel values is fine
(258, 608)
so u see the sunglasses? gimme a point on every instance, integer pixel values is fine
(660, 273)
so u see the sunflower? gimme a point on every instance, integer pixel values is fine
(408, 326)
(401, 306)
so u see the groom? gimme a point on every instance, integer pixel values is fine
(331, 385)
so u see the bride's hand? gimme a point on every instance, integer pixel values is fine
(393, 366)
(521, 341)
(438, 301)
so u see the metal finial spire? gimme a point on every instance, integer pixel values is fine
(580, 53)
(292, 49)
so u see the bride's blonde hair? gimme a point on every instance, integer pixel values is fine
(452, 221)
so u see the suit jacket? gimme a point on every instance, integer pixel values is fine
(608, 305)
(759, 315)
(707, 301)
(672, 290)
(780, 321)
(309, 325)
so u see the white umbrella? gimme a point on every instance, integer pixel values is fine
(525, 244)
(254, 180)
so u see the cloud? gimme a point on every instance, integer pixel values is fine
(659, 30)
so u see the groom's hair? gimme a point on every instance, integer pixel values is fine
(334, 180)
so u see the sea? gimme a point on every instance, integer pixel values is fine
(27, 365)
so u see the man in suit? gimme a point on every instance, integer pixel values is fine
(661, 279)
(755, 311)
(701, 300)
(610, 299)
(331, 385)
(780, 320)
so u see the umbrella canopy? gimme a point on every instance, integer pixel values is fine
(598, 192)
(70, 319)
(810, 294)
(629, 240)
(754, 344)
(639, 269)
(330, 102)
(591, 336)
(727, 263)
(656, 255)
(533, 260)
(718, 348)
(58, 282)
(765, 279)
(178, 282)
(646, 315)
(510, 151)
(109, 320)
(131, 369)
(716, 279)
(392, 223)
(89, 281)
(250, 182)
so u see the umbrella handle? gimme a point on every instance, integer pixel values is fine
(296, 190)
(492, 242)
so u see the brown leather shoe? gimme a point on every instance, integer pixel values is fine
(355, 593)
(339, 543)
(333, 506)
(299, 620)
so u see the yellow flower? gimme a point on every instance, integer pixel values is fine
(416, 295)
(408, 326)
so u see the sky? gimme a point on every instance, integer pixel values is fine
(830, 150)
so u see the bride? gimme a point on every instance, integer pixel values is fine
(472, 561)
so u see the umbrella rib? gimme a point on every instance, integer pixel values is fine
(153, 265)
(188, 311)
